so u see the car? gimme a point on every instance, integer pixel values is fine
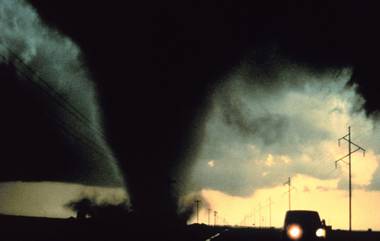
(303, 225)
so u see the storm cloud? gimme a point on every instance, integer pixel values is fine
(266, 124)
(53, 126)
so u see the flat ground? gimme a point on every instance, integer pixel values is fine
(15, 228)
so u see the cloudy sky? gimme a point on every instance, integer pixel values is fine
(268, 124)
(267, 121)
(59, 138)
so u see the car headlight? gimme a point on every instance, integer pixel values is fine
(321, 233)
(294, 231)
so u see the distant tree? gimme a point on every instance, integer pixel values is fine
(83, 207)
(90, 208)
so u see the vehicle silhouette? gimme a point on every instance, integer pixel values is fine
(303, 225)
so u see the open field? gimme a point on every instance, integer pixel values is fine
(47, 229)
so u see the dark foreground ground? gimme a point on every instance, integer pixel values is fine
(271, 234)
(46, 229)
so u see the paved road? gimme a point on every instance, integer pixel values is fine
(250, 234)
(247, 234)
(215, 236)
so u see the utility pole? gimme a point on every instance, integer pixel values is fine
(208, 214)
(197, 203)
(215, 214)
(289, 191)
(270, 212)
(254, 217)
(348, 139)
(259, 214)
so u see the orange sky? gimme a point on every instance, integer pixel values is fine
(308, 194)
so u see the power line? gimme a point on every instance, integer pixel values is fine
(290, 183)
(77, 135)
(27, 72)
(53, 93)
(61, 101)
(81, 138)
